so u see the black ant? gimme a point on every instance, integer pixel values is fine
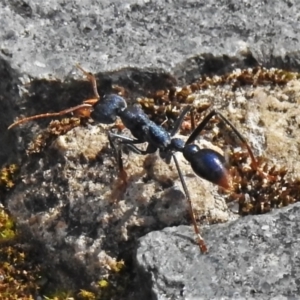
(206, 163)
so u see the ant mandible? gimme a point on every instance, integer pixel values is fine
(206, 163)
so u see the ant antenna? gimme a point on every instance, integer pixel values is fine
(84, 110)
(91, 78)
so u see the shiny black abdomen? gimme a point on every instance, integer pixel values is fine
(207, 163)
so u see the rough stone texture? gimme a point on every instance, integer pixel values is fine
(69, 197)
(70, 200)
(8, 97)
(252, 258)
(143, 46)
(178, 36)
(45, 40)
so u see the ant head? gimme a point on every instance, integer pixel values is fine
(108, 109)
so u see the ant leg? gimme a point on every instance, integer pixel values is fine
(131, 144)
(203, 123)
(150, 149)
(128, 141)
(118, 154)
(92, 79)
(200, 239)
(180, 120)
(193, 126)
(122, 176)
(124, 138)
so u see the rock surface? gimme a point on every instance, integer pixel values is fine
(146, 46)
(180, 37)
(44, 41)
(252, 258)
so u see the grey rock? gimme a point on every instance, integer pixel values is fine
(69, 202)
(141, 45)
(184, 38)
(9, 96)
(251, 258)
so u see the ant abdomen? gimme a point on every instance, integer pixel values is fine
(208, 164)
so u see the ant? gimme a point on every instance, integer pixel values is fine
(206, 163)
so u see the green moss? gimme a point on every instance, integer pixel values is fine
(60, 295)
(18, 276)
(7, 231)
(8, 176)
(86, 295)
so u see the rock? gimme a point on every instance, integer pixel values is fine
(71, 201)
(252, 258)
(64, 201)
(185, 39)
(140, 44)
(9, 96)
